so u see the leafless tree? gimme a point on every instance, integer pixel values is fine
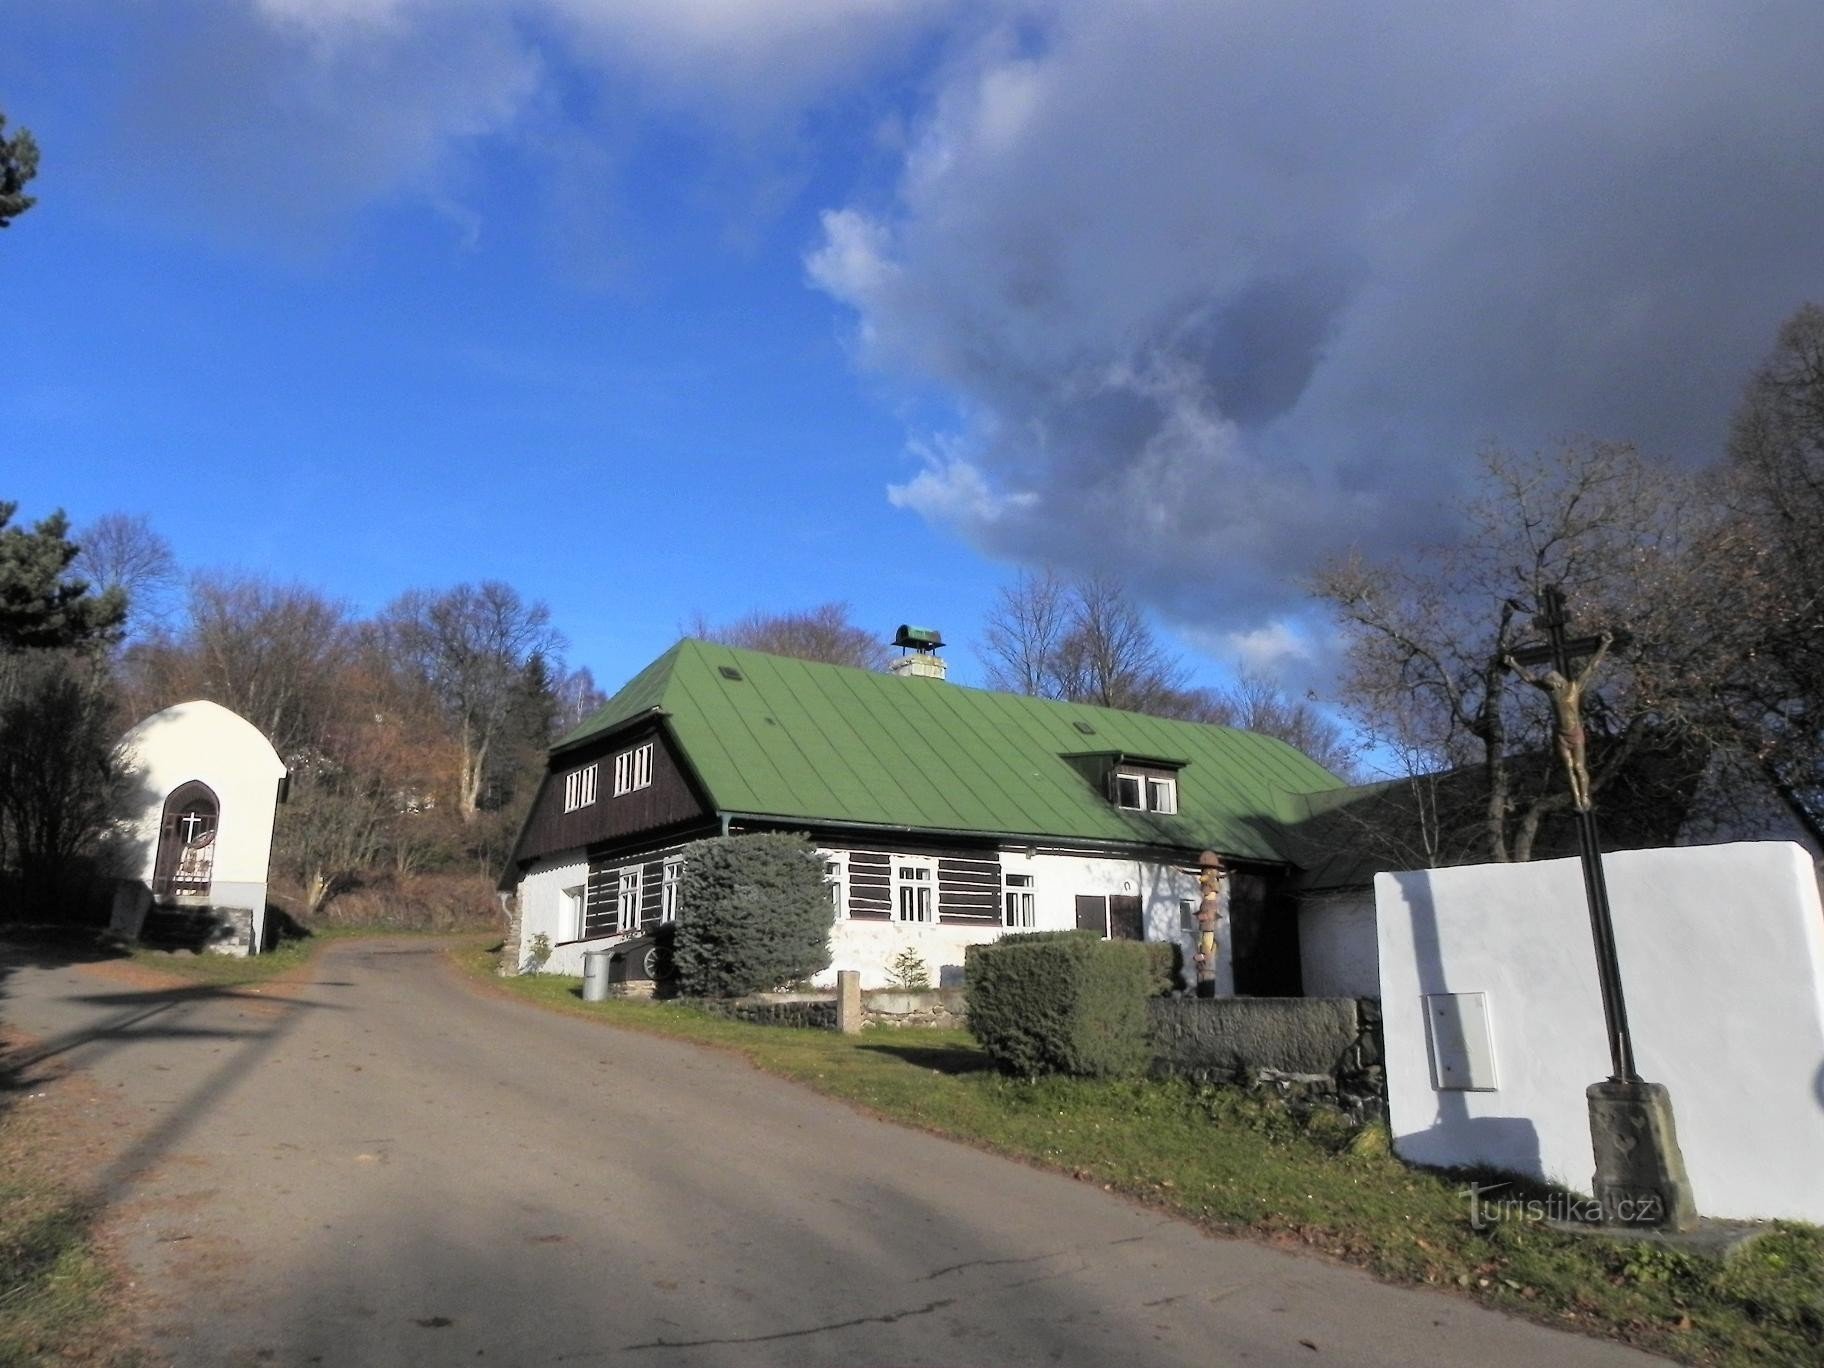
(124, 551)
(1428, 635)
(1025, 632)
(823, 633)
(471, 646)
(273, 653)
(1084, 640)
(1257, 704)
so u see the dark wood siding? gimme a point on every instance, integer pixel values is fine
(968, 883)
(669, 801)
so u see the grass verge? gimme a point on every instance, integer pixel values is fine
(55, 1287)
(1237, 1165)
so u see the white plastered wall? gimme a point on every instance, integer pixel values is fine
(1722, 960)
(542, 910)
(1339, 955)
(1057, 879)
(206, 742)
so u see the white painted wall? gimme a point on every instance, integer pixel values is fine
(542, 911)
(205, 741)
(1722, 958)
(1057, 879)
(1339, 953)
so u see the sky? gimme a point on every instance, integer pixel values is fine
(663, 307)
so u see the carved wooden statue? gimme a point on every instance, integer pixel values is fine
(1209, 909)
(1567, 716)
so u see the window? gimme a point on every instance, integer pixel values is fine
(835, 878)
(633, 769)
(914, 891)
(570, 927)
(627, 905)
(1019, 901)
(579, 788)
(1146, 792)
(670, 887)
(1187, 915)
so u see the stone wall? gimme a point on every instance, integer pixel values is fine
(1305, 1049)
(934, 1007)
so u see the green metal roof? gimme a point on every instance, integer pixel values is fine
(797, 740)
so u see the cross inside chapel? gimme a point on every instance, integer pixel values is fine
(190, 822)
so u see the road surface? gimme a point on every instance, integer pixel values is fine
(388, 1166)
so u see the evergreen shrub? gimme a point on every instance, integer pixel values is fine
(1060, 1002)
(754, 913)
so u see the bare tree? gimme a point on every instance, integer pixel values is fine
(273, 653)
(1084, 640)
(471, 647)
(823, 633)
(1024, 634)
(1429, 635)
(1257, 704)
(124, 552)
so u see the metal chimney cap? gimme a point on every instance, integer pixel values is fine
(918, 638)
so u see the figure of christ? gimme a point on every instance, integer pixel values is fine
(1567, 716)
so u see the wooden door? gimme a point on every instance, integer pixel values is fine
(1124, 920)
(1092, 913)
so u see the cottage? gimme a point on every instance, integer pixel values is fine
(946, 815)
(197, 845)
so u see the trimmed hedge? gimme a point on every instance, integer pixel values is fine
(754, 913)
(1060, 1002)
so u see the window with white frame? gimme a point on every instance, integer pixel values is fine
(670, 887)
(836, 879)
(914, 890)
(579, 788)
(1018, 902)
(1146, 792)
(627, 903)
(633, 769)
(1187, 914)
(570, 925)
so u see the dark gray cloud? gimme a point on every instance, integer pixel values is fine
(1221, 290)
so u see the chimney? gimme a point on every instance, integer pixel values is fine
(923, 662)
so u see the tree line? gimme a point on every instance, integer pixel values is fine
(415, 736)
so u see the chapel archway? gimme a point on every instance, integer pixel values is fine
(186, 841)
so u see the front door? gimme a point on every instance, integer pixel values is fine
(1092, 913)
(1124, 921)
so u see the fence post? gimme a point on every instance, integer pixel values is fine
(848, 1001)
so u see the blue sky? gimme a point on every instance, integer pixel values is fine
(652, 309)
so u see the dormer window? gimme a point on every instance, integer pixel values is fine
(579, 788)
(633, 769)
(1146, 792)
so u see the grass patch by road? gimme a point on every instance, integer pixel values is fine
(1237, 1165)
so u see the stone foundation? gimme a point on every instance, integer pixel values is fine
(1306, 1050)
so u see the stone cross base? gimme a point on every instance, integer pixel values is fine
(1640, 1173)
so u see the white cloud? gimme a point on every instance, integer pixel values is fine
(1224, 289)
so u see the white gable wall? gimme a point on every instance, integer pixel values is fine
(206, 742)
(1722, 961)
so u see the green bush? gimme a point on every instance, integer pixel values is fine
(1060, 1002)
(1166, 961)
(754, 913)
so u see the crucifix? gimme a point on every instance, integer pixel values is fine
(1640, 1173)
(190, 822)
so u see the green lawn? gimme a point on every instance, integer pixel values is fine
(1236, 1165)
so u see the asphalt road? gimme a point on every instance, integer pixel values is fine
(386, 1166)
